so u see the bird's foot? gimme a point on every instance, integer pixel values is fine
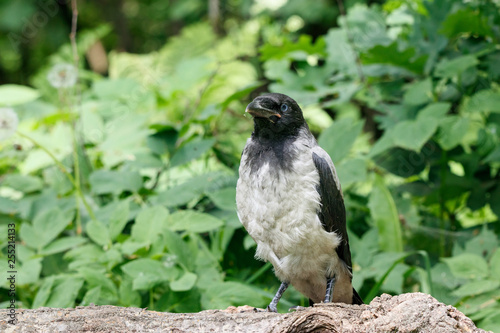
(297, 308)
(272, 308)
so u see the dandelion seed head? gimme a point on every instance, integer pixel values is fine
(8, 123)
(62, 76)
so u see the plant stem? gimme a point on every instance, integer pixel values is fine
(56, 161)
(442, 239)
(76, 162)
(151, 299)
(74, 182)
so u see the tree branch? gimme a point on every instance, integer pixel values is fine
(415, 312)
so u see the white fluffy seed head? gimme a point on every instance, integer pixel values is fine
(8, 123)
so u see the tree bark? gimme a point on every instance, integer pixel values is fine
(415, 312)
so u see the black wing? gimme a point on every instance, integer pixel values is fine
(332, 214)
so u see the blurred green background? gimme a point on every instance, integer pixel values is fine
(120, 176)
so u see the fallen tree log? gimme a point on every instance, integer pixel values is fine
(415, 312)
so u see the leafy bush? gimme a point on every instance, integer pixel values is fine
(122, 188)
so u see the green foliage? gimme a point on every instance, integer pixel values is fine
(124, 191)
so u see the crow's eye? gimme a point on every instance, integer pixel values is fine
(284, 107)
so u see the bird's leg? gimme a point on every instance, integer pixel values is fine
(273, 306)
(330, 284)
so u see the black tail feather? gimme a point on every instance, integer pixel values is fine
(356, 299)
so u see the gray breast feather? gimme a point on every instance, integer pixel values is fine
(281, 215)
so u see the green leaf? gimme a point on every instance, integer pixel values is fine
(436, 111)
(148, 224)
(63, 244)
(8, 206)
(23, 183)
(495, 265)
(248, 242)
(98, 232)
(125, 135)
(185, 283)
(418, 93)
(192, 221)
(220, 295)
(148, 273)
(187, 191)
(162, 141)
(484, 101)
(95, 278)
(13, 94)
(493, 156)
(224, 198)
(128, 296)
(180, 302)
(118, 217)
(385, 215)
(130, 247)
(304, 45)
(366, 26)
(451, 131)
(476, 306)
(29, 272)
(449, 68)
(341, 55)
(476, 288)
(43, 293)
(107, 181)
(352, 171)
(484, 244)
(92, 124)
(91, 296)
(392, 55)
(413, 135)
(338, 139)
(466, 21)
(46, 227)
(191, 150)
(84, 255)
(179, 248)
(64, 293)
(492, 322)
(117, 88)
(467, 265)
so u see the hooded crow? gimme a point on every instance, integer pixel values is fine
(290, 201)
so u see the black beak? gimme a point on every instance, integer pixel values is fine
(258, 109)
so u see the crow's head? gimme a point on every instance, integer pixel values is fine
(276, 116)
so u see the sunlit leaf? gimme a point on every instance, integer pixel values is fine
(148, 224)
(108, 181)
(13, 94)
(476, 287)
(64, 293)
(385, 215)
(193, 221)
(148, 272)
(467, 265)
(184, 283)
(191, 151)
(338, 139)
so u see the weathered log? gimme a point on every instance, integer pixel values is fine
(415, 312)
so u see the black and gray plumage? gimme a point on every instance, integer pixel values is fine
(290, 201)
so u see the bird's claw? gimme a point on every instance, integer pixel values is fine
(272, 308)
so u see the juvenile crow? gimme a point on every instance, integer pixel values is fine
(290, 201)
